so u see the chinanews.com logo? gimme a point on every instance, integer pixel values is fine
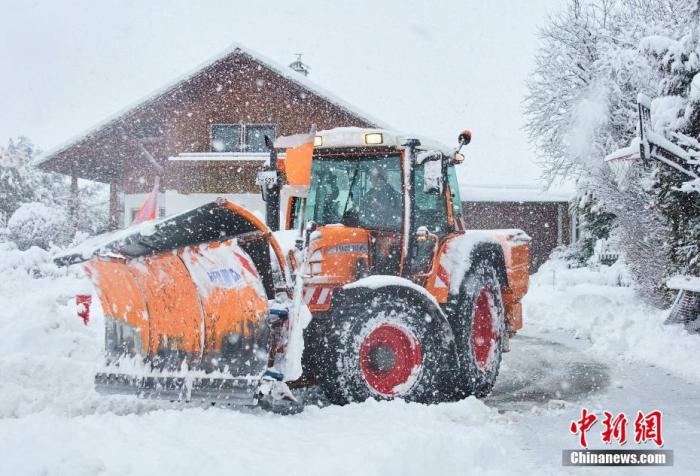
(646, 429)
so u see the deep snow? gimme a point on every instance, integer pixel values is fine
(585, 342)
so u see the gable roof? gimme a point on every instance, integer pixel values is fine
(234, 49)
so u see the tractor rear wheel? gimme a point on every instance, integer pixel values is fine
(384, 347)
(480, 331)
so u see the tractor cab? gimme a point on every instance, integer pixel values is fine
(396, 193)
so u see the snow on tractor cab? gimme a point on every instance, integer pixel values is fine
(363, 281)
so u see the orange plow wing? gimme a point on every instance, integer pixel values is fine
(189, 292)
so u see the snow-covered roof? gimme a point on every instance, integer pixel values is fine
(356, 137)
(511, 193)
(235, 48)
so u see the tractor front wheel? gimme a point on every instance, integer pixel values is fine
(383, 348)
(480, 329)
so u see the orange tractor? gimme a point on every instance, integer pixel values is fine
(371, 289)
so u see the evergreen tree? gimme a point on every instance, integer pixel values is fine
(595, 222)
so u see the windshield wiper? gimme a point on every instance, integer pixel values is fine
(347, 201)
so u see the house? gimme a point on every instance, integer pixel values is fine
(545, 216)
(202, 135)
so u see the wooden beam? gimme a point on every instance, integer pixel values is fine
(114, 210)
(73, 203)
(560, 224)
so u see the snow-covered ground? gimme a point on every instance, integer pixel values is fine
(589, 342)
(586, 342)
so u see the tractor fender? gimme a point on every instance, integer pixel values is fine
(365, 289)
(506, 251)
(463, 253)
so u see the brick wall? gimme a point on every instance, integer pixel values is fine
(548, 223)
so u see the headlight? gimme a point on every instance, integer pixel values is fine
(315, 262)
(374, 138)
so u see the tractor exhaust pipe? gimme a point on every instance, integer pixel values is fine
(271, 189)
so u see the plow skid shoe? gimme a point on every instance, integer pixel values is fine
(240, 391)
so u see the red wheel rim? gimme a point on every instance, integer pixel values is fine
(390, 358)
(484, 335)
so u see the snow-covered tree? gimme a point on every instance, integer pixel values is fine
(581, 106)
(32, 202)
(19, 182)
(37, 224)
(595, 224)
(677, 110)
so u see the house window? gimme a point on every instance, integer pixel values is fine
(255, 137)
(226, 137)
(240, 137)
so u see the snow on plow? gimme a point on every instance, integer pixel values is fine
(187, 306)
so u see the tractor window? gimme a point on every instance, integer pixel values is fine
(358, 191)
(293, 221)
(454, 192)
(431, 207)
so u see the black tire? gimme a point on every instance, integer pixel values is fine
(367, 350)
(479, 357)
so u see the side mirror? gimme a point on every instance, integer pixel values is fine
(432, 176)
(464, 138)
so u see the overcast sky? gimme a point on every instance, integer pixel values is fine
(432, 67)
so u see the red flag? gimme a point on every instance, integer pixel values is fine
(149, 209)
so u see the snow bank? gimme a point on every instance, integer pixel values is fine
(47, 351)
(48, 356)
(591, 304)
(371, 438)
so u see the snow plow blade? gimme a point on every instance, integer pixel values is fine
(227, 391)
(186, 305)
